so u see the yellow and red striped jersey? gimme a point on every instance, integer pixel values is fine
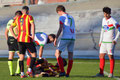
(23, 24)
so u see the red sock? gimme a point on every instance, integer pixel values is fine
(28, 61)
(112, 62)
(69, 66)
(60, 63)
(102, 64)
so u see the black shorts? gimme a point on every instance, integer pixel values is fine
(23, 46)
(12, 44)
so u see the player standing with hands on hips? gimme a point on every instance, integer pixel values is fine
(108, 40)
(67, 26)
(25, 37)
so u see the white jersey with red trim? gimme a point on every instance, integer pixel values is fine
(108, 30)
(69, 26)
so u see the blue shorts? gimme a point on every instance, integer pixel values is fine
(63, 44)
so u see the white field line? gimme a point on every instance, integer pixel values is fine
(106, 73)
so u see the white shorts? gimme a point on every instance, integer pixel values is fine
(63, 44)
(107, 48)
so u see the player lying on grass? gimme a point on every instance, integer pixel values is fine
(40, 40)
(44, 69)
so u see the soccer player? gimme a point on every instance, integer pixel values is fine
(12, 44)
(108, 40)
(26, 30)
(40, 40)
(67, 26)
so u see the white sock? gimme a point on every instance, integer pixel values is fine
(29, 69)
(22, 74)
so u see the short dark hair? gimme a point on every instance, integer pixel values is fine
(26, 8)
(53, 36)
(64, 63)
(60, 8)
(18, 13)
(107, 10)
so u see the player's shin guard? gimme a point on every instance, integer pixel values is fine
(28, 61)
(70, 63)
(33, 59)
(60, 63)
(18, 67)
(21, 64)
(10, 65)
(102, 64)
(112, 62)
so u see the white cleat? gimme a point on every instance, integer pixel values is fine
(110, 75)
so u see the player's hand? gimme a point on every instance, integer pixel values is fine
(32, 37)
(114, 42)
(55, 42)
(99, 44)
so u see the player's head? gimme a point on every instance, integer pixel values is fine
(17, 13)
(64, 63)
(51, 38)
(107, 12)
(40, 61)
(60, 9)
(25, 10)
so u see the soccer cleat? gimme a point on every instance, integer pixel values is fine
(24, 76)
(67, 75)
(99, 75)
(17, 74)
(29, 73)
(110, 75)
(12, 75)
(62, 74)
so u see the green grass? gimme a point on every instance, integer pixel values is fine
(82, 70)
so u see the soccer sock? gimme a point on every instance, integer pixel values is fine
(33, 59)
(70, 63)
(10, 65)
(18, 67)
(112, 62)
(60, 63)
(21, 64)
(28, 61)
(102, 64)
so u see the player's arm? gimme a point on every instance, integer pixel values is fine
(32, 26)
(117, 26)
(11, 29)
(101, 37)
(58, 33)
(6, 33)
(41, 51)
(33, 30)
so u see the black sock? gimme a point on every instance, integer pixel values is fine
(10, 60)
(32, 63)
(21, 64)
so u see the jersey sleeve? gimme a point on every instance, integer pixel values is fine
(31, 19)
(102, 32)
(61, 20)
(9, 24)
(117, 26)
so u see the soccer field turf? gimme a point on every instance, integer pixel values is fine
(82, 70)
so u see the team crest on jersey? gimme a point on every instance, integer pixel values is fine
(105, 27)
